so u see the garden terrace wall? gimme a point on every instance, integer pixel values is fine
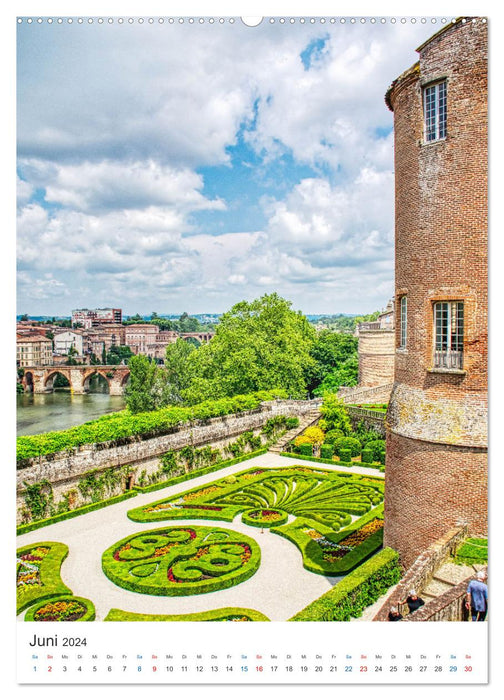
(419, 575)
(64, 470)
(371, 419)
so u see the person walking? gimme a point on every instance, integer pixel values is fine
(413, 601)
(477, 597)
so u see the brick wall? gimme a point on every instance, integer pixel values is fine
(429, 489)
(436, 447)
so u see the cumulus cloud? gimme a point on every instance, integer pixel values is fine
(109, 185)
(117, 123)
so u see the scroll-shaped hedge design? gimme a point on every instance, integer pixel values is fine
(177, 561)
(38, 573)
(321, 500)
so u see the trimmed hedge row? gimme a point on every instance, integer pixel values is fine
(218, 615)
(292, 455)
(121, 426)
(49, 575)
(89, 615)
(28, 527)
(348, 598)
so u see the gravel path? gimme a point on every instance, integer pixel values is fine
(279, 589)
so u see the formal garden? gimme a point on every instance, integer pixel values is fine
(334, 519)
(330, 512)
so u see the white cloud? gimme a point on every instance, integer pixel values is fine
(109, 185)
(116, 123)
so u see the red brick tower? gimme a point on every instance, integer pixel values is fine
(436, 474)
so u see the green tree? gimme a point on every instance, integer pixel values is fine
(346, 374)
(258, 345)
(177, 370)
(117, 354)
(71, 355)
(187, 324)
(144, 391)
(331, 352)
(334, 415)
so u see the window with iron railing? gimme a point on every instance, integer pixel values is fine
(449, 335)
(435, 111)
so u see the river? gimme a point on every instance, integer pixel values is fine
(41, 413)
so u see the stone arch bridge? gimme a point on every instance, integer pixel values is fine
(40, 379)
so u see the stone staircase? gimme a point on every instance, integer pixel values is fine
(446, 577)
(304, 422)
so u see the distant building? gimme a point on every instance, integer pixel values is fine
(138, 336)
(33, 350)
(95, 317)
(157, 349)
(68, 339)
(100, 339)
(377, 349)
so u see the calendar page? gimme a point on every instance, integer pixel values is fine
(251, 347)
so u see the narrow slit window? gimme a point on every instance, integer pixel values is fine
(403, 331)
(435, 111)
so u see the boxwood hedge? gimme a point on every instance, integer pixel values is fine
(348, 598)
(218, 615)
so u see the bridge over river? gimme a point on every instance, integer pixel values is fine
(40, 380)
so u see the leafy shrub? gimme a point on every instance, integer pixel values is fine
(367, 456)
(306, 449)
(326, 451)
(220, 614)
(348, 443)
(382, 457)
(291, 422)
(313, 436)
(334, 414)
(377, 447)
(345, 455)
(365, 434)
(333, 435)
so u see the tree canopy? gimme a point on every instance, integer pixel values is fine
(262, 344)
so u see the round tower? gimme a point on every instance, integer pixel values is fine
(436, 476)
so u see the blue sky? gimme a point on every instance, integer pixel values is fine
(189, 166)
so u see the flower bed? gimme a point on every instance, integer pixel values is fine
(38, 573)
(264, 517)
(181, 560)
(336, 553)
(62, 609)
